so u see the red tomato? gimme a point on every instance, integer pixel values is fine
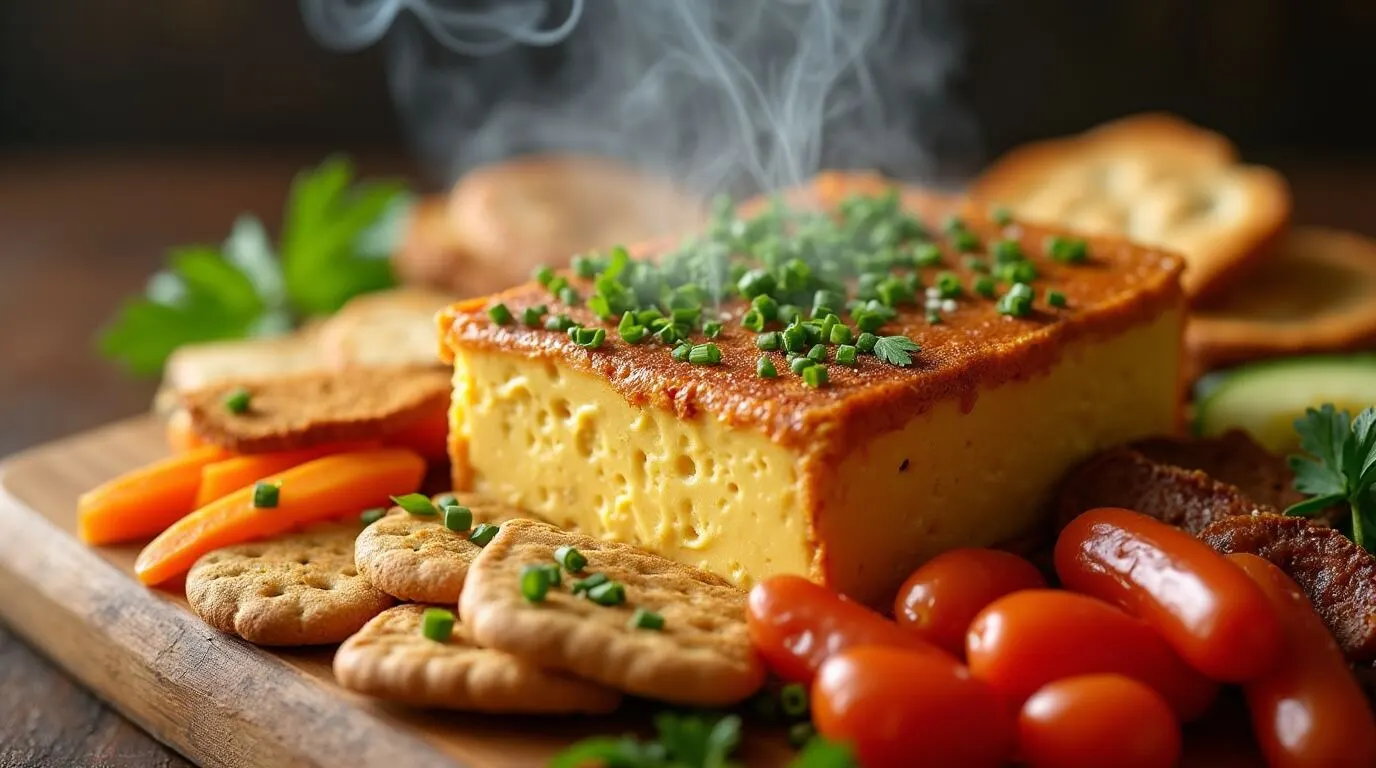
(1096, 721)
(940, 599)
(796, 625)
(1308, 709)
(1215, 617)
(1028, 639)
(900, 708)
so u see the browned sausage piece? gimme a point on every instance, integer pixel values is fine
(1338, 576)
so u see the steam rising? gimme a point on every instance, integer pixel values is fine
(722, 95)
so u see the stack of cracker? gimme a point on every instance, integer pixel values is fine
(1259, 288)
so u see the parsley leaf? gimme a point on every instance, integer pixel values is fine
(820, 753)
(684, 741)
(335, 246)
(1338, 465)
(896, 350)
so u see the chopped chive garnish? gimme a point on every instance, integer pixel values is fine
(766, 306)
(483, 534)
(840, 334)
(985, 286)
(948, 285)
(1067, 250)
(552, 571)
(755, 282)
(370, 516)
(557, 284)
(1056, 299)
(1016, 272)
(753, 320)
(681, 352)
(975, 264)
(589, 338)
(927, 255)
(608, 593)
(1001, 215)
(583, 267)
(593, 580)
(544, 274)
(846, 355)
(768, 341)
(558, 323)
(446, 500)
(815, 376)
(965, 241)
(532, 316)
(818, 354)
(764, 368)
(238, 401)
(534, 583)
(458, 518)
(711, 329)
(866, 342)
(572, 560)
(1007, 251)
(643, 619)
(801, 363)
(793, 700)
(416, 504)
(704, 354)
(795, 338)
(437, 624)
(569, 295)
(1017, 302)
(868, 321)
(499, 314)
(635, 334)
(789, 313)
(265, 494)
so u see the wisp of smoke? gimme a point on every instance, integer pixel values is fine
(722, 95)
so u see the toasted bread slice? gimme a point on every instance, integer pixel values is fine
(386, 328)
(429, 254)
(198, 365)
(1155, 179)
(1318, 294)
(316, 408)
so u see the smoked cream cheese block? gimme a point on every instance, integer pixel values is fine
(849, 381)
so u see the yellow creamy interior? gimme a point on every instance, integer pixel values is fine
(564, 444)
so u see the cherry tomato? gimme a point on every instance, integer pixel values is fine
(1308, 709)
(1027, 639)
(796, 625)
(940, 599)
(900, 708)
(1095, 721)
(1215, 617)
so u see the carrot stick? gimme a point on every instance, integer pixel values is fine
(322, 489)
(427, 435)
(142, 503)
(224, 477)
(180, 436)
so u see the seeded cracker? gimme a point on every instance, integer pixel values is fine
(702, 656)
(417, 559)
(297, 589)
(390, 659)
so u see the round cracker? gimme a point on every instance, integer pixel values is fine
(384, 328)
(297, 589)
(701, 657)
(390, 659)
(416, 559)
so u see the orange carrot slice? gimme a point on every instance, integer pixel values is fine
(180, 436)
(142, 503)
(427, 435)
(224, 477)
(322, 489)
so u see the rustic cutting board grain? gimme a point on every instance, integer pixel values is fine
(216, 699)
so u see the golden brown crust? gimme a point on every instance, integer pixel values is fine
(1317, 294)
(320, 408)
(702, 656)
(296, 589)
(390, 659)
(416, 558)
(974, 348)
(1158, 180)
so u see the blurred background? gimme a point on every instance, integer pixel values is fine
(128, 126)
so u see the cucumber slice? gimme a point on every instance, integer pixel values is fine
(1264, 399)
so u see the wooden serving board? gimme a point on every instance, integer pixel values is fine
(212, 697)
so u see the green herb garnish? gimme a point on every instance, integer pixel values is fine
(1017, 302)
(370, 516)
(238, 401)
(896, 350)
(592, 580)
(483, 534)
(1067, 250)
(1338, 466)
(416, 504)
(645, 619)
(846, 354)
(266, 495)
(532, 316)
(437, 624)
(1055, 299)
(815, 376)
(704, 354)
(500, 314)
(572, 560)
(608, 593)
(534, 583)
(458, 518)
(793, 700)
(764, 368)
(681, 741)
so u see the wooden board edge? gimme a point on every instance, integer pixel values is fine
(171, 674)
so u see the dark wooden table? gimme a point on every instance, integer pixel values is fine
(77, 233)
